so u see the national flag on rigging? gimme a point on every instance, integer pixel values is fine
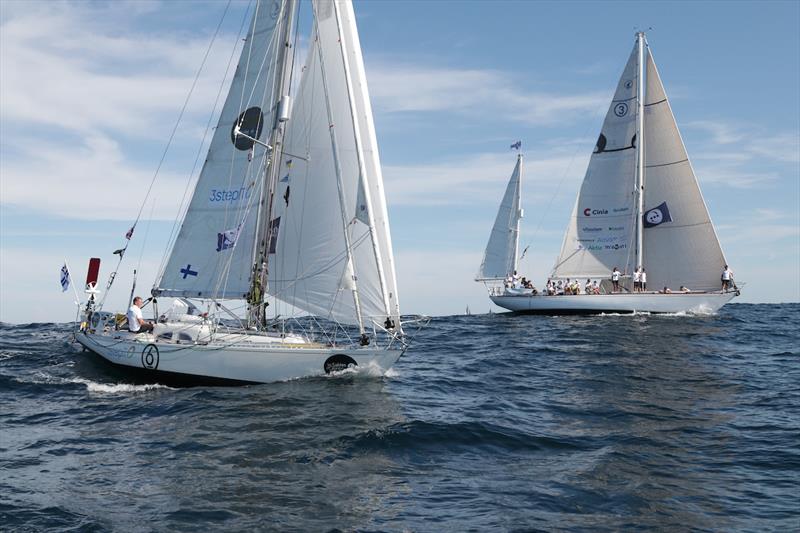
(65, 280)
(289, 163)
(285, 179)
(227, 239)
(657, 215)
(517, 145)
(130, 232)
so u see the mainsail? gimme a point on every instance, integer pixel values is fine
(685, 250)
(500, 257)
(212, 256)
(679, 245)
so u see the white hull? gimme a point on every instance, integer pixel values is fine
(708, 302)
(233, 358)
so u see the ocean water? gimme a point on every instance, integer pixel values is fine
(488, 423)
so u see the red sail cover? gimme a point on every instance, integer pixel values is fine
(93, 272)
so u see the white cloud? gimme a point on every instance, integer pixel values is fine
(397, 88)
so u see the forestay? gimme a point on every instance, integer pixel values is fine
(500, 257)
(330, 194)
(212, 256)
(600, 232)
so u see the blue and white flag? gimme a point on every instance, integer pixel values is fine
(227, 239)
(285, 179)
(517, 145)
(65, 280)
(657, 215)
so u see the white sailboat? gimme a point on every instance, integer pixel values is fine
(289, 204)
(639, 206)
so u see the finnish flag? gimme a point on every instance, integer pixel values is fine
(64, 278)
(657, 215)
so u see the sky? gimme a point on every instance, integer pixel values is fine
(90, 93)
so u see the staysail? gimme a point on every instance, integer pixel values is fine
(601, 229)
(500, 257)
(212, 256)
(680, 244)
(332, 249)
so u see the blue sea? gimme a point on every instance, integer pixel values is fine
(494, 422)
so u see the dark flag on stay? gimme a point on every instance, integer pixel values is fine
(657, 215)
(517, 145)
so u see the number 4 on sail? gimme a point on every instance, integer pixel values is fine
(639, 219)
(289, 205)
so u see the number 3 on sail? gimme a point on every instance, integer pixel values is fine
(326, 252)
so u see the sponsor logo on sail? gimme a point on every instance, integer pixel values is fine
(228, 195)
(590, 212)
(616, 228)
(590, 229)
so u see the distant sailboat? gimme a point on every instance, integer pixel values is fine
(324, 248)
(639, 205)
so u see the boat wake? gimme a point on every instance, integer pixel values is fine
(43, 378)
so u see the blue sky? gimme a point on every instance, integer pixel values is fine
(89, 93)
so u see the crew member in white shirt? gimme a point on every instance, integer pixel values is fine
(637, 280)
(615, 280)
(727, 278)
(136, 323)
(643, 281)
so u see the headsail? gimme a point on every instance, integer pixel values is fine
(500, 257)
(332, 187)
(213, 252)
(684, 250)
(600, 232)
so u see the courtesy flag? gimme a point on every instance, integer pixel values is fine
(65, 279)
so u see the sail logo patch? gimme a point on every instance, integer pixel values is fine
(589, 212)
(250, 123)
(657, 215)
(621, 109)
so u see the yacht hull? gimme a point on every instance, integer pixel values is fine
(232, 361)
(699, 303)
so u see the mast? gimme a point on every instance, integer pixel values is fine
(518, 207)
(264, 227)
(639, 149)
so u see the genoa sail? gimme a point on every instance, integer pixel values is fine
(212, 256)
(500, 257)
(601, 228)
